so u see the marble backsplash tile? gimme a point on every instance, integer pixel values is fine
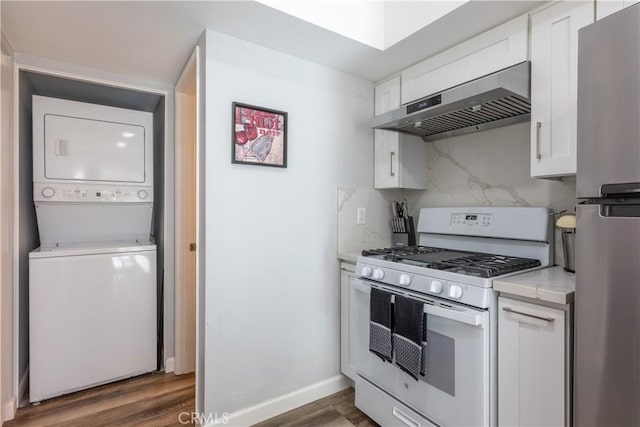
(489, 168)
(352, 237)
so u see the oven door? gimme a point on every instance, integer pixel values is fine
(456, 388)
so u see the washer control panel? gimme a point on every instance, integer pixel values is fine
(471, 220)
(43, 192)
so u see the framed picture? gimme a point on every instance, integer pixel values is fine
(259, 136)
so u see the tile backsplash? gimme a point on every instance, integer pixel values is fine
(489, 168)
(352, 237)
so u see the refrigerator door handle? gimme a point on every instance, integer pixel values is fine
(626, 189)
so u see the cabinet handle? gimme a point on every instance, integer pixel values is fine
(538, 126)
(391, 156)
(510, 310)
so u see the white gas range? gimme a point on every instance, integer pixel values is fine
(449, 275)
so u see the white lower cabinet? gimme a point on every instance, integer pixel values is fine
(347, 321)
(533, 364)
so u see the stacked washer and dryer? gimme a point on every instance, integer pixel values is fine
(92, 281)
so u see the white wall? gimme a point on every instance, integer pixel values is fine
(7, 253)
(360, 20)
(272, 284)
(403, 18)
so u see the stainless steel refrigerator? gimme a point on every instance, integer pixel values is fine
(607, 301)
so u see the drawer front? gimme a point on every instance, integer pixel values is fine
(384, 409)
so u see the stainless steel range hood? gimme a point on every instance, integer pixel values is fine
(495, 100)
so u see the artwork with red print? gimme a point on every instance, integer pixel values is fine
(259, 136)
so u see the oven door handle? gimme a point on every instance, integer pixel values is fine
(464, 316)
(473, 319)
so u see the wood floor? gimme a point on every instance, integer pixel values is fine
(158, 399)
(337, 410)
(149, 400)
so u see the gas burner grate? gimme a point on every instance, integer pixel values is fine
(460, 262)
(486, 265)
(401, 251)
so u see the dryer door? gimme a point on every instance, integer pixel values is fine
(93, 150)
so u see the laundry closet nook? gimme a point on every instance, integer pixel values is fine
(91, 226)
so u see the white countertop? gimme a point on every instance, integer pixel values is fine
(552, 284)
(348, 257)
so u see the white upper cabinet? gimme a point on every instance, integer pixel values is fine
(387, 96)
(554, 83)
(607, 7)
(491, 51)
(400, 160)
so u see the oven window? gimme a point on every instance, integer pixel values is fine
(441, 357)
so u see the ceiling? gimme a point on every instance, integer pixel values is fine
(153, 39)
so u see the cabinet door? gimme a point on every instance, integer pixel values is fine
(531, 364)
(554, 76)
(387, 96)
(347, 322)
(386, 155)
(400, 160)
(486, 53)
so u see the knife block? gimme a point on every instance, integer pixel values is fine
(405, 239)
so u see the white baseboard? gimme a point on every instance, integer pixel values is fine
(284, 403)
(9, 410)
(22, 386)
(170, 365)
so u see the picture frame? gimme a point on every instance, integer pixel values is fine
(258, 136)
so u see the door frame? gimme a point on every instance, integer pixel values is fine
(187, 89)
(48, 67)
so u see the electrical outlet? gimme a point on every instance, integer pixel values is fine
(362, 216)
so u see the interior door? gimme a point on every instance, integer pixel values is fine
(607, 317)
(187, 140)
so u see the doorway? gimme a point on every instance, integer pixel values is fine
(186, 214)
(32, 79)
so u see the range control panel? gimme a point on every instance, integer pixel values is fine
(471, 220)
(43, 192)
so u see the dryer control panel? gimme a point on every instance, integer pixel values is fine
(45, 192)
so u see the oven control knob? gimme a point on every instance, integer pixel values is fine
(404, 280)
(378, 274)
(455, 291)
(142, 194)
(48, 192)
(366, 271)
(435, 286)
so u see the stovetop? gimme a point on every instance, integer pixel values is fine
(461, 262)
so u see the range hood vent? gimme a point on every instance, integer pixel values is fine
(495, 100)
